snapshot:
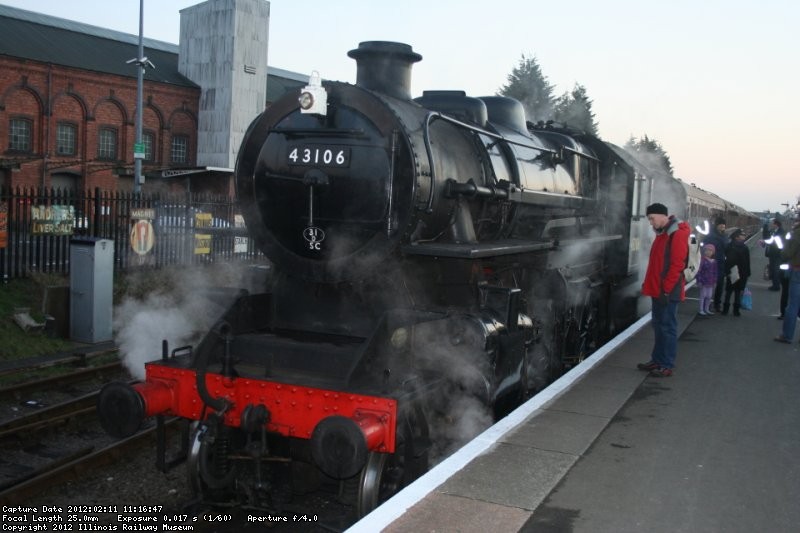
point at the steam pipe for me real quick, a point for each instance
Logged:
(473, 190)
(218, 333)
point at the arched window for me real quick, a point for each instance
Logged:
(19, 134)
(66, 139)
(179, 152)
(147, 140)
(107, 144)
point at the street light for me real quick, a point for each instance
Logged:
(138, 147)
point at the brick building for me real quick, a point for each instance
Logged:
(68, 99)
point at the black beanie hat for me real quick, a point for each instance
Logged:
(657, 209)
(718, 221)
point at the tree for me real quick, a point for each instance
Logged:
(527, 84)
(574, 109)
(650, 153)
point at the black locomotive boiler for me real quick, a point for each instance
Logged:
(430, 253)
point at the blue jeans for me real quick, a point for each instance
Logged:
(665, 325)
(790, 314)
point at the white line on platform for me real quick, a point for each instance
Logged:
(393, 508)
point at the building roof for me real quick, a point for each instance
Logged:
(47, 39)
(28, 35)
(280, 81)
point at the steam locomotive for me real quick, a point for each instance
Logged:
(430, 253)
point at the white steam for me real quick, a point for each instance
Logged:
(181, 310)
(142, 325)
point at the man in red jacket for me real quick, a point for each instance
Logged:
(664, 283)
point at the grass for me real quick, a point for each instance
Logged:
(14, 342)
(31, 292)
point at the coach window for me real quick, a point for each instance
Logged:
(147, 140)
(180, 149)
(107, 144)
(66, 135)
(19, 135)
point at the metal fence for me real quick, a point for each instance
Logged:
(36, 226)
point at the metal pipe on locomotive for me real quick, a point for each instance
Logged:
(424, 249)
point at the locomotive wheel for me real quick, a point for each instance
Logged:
(539, 368)
(584, 337)
(381, 478)
(385, 474)
(210, 473)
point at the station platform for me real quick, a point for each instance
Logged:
(713, 448)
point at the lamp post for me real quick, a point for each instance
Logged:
(138, 147)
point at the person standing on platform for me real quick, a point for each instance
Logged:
(737, 270)
(707, 279)
(664, 283)
(717, 237)
(791, 252)
(773, 253)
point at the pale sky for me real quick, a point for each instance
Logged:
(715, 81)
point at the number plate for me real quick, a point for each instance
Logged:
(318, 155)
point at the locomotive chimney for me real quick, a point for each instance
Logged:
(385, 67)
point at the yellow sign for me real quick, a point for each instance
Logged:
(202, 244)
(202, 220)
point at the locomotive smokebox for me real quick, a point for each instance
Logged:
(385, 67)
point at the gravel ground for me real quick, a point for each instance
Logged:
(136, 482)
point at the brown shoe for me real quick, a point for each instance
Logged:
(781, 338)
(660, 372)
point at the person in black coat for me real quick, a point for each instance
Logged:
(773, 253)
(737, 255)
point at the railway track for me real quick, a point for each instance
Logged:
(51, 447)
(51, 431)
(48, 425)
(68, 466)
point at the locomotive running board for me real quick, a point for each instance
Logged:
(477, 250)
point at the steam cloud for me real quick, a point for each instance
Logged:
(181, 312)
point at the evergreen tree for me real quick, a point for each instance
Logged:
(574, 109)
(650, 153)
(527, 84)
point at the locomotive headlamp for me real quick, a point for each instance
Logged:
(306, 101)
(399, 338)
(313, 98)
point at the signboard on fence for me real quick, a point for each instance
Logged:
(3, 224)
(202, 220)
(239, 243)
(142, 236)
(202, 244)
(52, 219)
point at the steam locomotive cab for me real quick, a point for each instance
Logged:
(431, 254)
